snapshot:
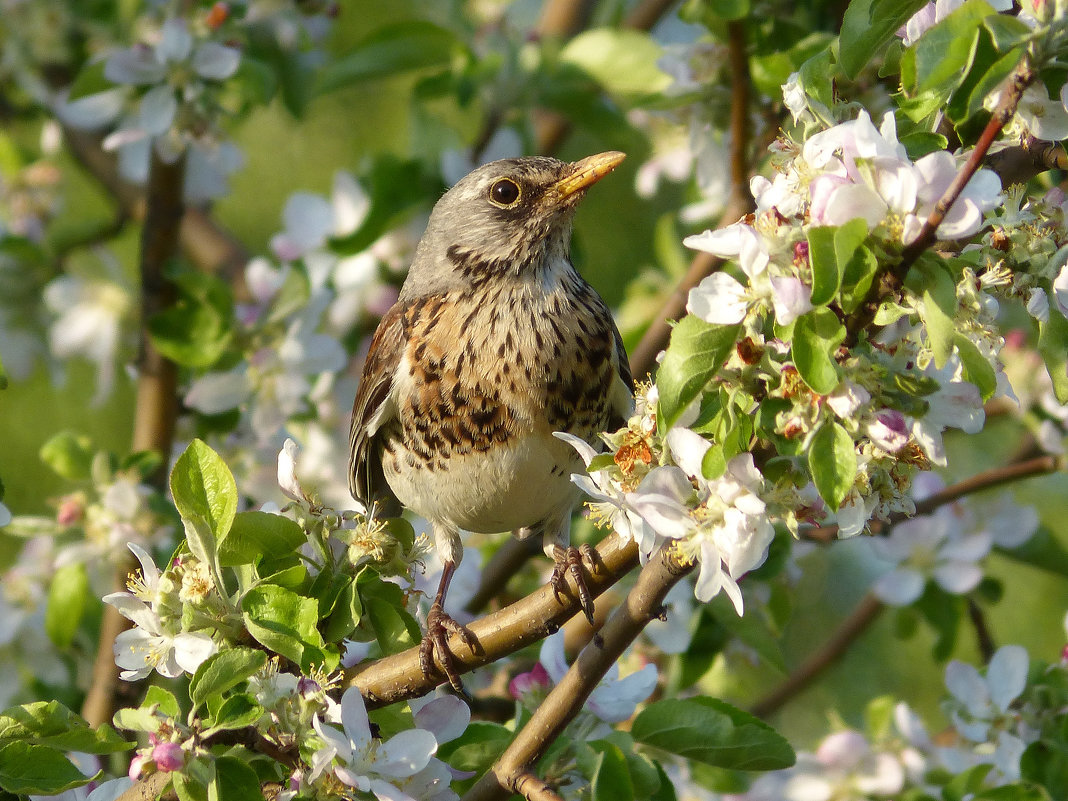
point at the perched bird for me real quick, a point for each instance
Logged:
(495, 342)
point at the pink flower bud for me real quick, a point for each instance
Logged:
(525, 683)
(168, 757)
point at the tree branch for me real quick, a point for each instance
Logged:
(157, 398)
(147, 789)
(847, 633)
(739, 203)
(983, 639)
(397, 677)
(512, 771)
(505, 563)
(988, 479)
(894, 278)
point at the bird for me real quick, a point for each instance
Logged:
(494, 343)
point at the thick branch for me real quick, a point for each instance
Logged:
(988, 479)
(147, 789)
(512, 771)
(397, 677)
(739, 203)
(157, 397)
(852, 627)
(894, 278)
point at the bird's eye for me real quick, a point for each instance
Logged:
(504, 192)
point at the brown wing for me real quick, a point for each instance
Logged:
(373, 408)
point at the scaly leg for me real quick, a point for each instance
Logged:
(568, 561)
(439, 625)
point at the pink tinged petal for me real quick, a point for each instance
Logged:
(168, 757)
(958, 578)
(354, 720)
(1006, 676)
(842, 749)
(851, 201)
(615, 702)
(351, 203)
(134, 609)
(719, 299)
(137, 65)
(899, 587)
(929, 438)
(688, 449)
(847, 398)
(176, 42)
(889, 430)
(215, 62)
(821, 188)
(191, 649)
(584, 449)
(551, 657)
(446, 717)
(405, 754)
(967, 686)
(1060, 290)
(791, 298)
(897, 183)
(157, 110)
(264, 279)
(384, 791)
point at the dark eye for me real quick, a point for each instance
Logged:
(504, 192)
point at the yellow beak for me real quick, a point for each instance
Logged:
(588, 171)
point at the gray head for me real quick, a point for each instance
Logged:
(506, 217)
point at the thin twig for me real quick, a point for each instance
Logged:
(512, 770)
(851, 628)
(397, 677)
(983, 639)
(988, 479)
(892, 281)
(505, 563)
(157, 398)
(739, 203)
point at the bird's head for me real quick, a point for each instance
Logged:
(511, 216)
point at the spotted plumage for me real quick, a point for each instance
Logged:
(495, 343)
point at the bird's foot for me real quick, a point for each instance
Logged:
(569, 562)
(435, 644)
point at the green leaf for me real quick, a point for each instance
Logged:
(234, 780)
(346, 614)
(1053, 347)
(393, 49)
(69, 455)
(817, 336)
(944, 613)
(1042, 550)
(254, 536)
(868, 25)
(206, 496)
(621, 60)
(930, 279)
(49, 723)
(860, 271)
(610, 779)
(26, 768)
(67, 597)
(90, 81)
(696, 351)
(832, 461)
(919, 143)
(714, 732)
(830, 249)
(223, 670)
(196, 329)
(477, 748)
(977, 369)
(236, 712)
(285, 622)
(944, 54)
(1007, 31)
(164, 700)
(394, 628)
(751, 630)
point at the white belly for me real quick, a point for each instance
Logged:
(502, 489)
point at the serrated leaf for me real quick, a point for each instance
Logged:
(257, 535)
(286, 623)
(164, 700)
(346, 614)
(868, 25)
(832, 462)
(51, 724)
(68, 595)
(70, 455)
(391, 50)
(1053, 347)
(205, 494)
(223, 670)
(977, 368)
(817, 336)
(236, 712)
(695, 352)
(26, 768)
(714, 732)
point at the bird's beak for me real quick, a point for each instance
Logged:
(588, 171)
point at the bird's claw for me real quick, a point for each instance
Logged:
(435, 644)
(569, 562)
